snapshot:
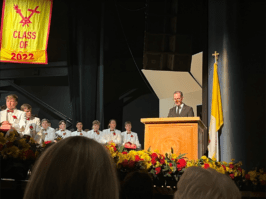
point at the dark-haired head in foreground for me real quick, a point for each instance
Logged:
(76, 167)
(137, 185)
(200, 183)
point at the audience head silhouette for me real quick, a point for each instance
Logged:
(137, 185)
(76, 167)
(200, 183)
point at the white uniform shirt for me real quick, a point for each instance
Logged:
(32, 126)
(49, 134)
(77, 133)
(97, 137)
(113, 135)
(130, 137)
(61, 133)
(17, 119)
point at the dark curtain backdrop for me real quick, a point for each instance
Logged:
(83, 54)
(236, 30)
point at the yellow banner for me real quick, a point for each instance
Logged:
(25, 31)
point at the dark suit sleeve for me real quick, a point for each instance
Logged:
(169, 114)
(190, 113)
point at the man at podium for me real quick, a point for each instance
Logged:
(180, 110)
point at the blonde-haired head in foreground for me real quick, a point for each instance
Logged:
(76, 167)
(200, 183)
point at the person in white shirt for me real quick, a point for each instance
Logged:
(129, 136)
(33, 124)
(12, 116)
(46, 133)
(112, 134)
(96, 134)
(63, 132)
(79, 131)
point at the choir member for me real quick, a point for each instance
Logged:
(95, 133)
(79, 131)
(129, 136)
(12, 116)
(47, 133)
(63, 132)
(112, 134)
(33, 124)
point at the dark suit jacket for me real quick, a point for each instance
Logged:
(186, 111)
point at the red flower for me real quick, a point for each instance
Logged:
(15, 117)
(224, 167)
(114, 133)
(154, 155)
(153, 161)
(239, 169)
(1, 147)
(231, 166)
(137, 158)
(124, 152)
(181, 163)
(125, 163)
(9, 144)
(262, 182)
(47, 142)
(115, 149)
(247, 176)
(162, 161)
(170, 164)
(131, 164)
(206, 166)
(158, 170)
(232, 175)
(132, 136)
(31, 127)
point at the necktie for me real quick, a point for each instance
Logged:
(10, 111)
(178, 109)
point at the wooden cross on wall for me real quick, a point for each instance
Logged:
(216, 56)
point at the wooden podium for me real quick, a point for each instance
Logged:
(183, 134)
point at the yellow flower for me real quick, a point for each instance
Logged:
(174, 156)
(158, 164)
(232, 160)
(204, 157)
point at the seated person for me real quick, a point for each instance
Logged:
(12, 116)
(46, 133)
(181, 109)
(200, 183)
(130, 139)
(63, 132)
(95, 133)
(76, 167)
(112, 134)
(79, 131)
(137, 184)
(33, 124)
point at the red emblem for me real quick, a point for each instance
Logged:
(132, 136)
(15, 117)
(114, 133)
(31, 127)
(26, 20)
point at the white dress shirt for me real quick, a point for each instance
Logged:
(114, 135)
(61, 133)
(77, 133)
(48, 134)
(97, 137)
(130, 137)
(17, 119)
(32, 126)
(181, 106)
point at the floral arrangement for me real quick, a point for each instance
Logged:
(172, 165)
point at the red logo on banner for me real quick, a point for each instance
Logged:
(26, 20)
